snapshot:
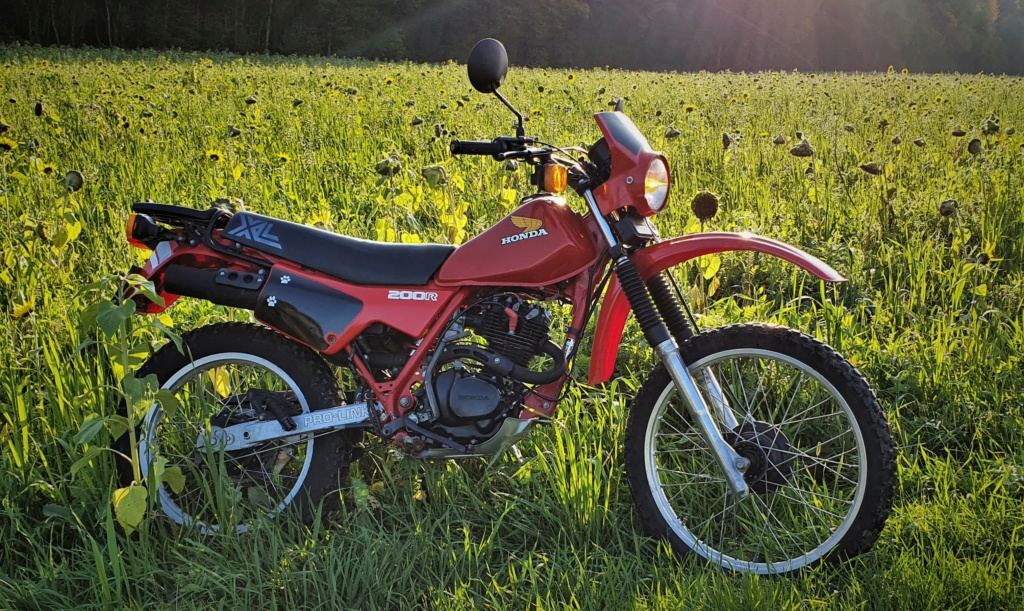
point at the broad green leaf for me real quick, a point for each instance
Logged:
(509, 196)
(92, 425)
(713, 266)
(405, 200)
(51, 510)
(174, 478)
(981, 290)
(159, 323)
(139, 393)
(117, 425)
(146, 287)
(130, 506)
(86, 458)
(168, 402)
(109, 316)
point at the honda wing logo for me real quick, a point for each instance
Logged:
(257, 231)
(531, 228)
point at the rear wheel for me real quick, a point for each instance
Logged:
(822, 467)
(227, 375)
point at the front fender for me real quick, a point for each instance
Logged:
(663, 255)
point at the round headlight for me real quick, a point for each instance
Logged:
(656, 185)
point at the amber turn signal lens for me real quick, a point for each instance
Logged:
(556, 178)
(129, 231)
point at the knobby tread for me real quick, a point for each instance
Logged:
(332, 453)
(837, 370)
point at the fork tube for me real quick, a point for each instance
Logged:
(658, 336)
(670, 309)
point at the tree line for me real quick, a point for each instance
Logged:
(922, 35)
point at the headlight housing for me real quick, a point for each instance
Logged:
(657, 183)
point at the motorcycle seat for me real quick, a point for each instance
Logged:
(349, 259)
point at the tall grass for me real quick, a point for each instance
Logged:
(932, 315)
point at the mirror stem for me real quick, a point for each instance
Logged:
(520, 131)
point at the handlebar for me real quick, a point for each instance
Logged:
(503, 144)
(504, 147)
(477, 147)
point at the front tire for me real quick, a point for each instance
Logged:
(822, 473)
(211, 378)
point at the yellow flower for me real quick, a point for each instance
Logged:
(214, 156)
(7, 144)
(46, 169)
(283, 158)
(689, 108)
(572, 77)
(905, 71)
(23, 308)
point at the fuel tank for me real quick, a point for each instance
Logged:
(543, 242)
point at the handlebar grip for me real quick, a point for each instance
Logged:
(477, 147)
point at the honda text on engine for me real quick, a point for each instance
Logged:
(756, 447)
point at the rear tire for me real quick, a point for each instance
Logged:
(232, 489)
(822, 472)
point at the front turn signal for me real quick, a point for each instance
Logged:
(556, 178)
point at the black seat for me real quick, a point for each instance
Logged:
(350, 259)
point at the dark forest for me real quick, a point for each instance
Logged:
(684, 35)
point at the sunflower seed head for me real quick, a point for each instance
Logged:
(959, 133)
(974, 147)
(919, 143)
(802, 150)
(779, 140)
(871, 168)
(74, 181)
(948, 207)
(436, 175)
(389, 166)
(727, 141)
(704, 206)
(671, 132)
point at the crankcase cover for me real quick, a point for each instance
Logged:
(466, 397)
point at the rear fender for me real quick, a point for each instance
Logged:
(658, 257)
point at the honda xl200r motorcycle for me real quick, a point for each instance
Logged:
(757, 447)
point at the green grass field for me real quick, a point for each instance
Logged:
(932, 315)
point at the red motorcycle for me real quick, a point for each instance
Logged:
(757, 447)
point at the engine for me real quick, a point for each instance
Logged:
(482, 369)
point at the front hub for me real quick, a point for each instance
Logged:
(769, 453)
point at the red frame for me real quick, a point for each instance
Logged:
(563, 263)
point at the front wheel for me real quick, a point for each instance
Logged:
(822, 465)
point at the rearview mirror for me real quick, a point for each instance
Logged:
(487, 65)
